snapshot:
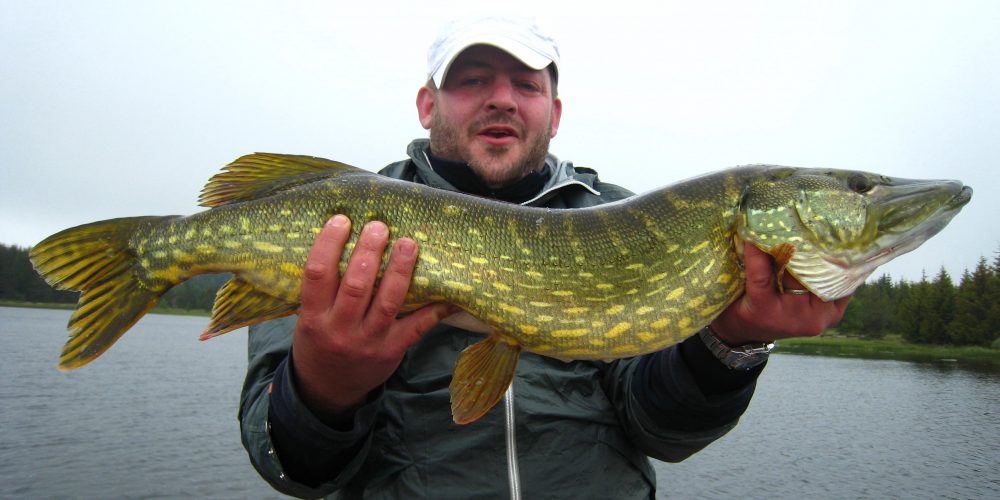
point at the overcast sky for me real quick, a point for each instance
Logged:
(118, 108)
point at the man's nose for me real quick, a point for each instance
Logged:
(502, 96)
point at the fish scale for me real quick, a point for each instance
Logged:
(599, 283)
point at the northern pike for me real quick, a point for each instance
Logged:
(606, 282)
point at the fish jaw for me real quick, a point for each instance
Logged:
(845, 224)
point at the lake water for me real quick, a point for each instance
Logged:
(155, 417)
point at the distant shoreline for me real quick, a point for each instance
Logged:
(68, 306)
(891, 347)
(829, 344)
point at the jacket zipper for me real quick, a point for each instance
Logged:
(513, 475)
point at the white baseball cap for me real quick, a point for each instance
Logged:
(520, 38)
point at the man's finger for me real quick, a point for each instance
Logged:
(320, 274)
(358, 282)
(393, 287)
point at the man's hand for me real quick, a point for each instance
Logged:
(347, 340)
(764, 314)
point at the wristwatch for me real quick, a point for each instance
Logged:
(742, 357)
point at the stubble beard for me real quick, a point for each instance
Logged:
(495, 166)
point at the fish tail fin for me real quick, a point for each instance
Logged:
(482, 374)
(95, 259)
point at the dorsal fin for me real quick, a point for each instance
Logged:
(260, 174)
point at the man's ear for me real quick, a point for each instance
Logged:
(425, 106)
(556, 115)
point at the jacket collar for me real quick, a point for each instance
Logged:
(564, 174)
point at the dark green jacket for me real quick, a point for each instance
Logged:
(583, 429)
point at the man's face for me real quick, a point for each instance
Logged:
(492, 112)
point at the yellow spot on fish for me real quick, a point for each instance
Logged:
(430, 259)
(293, 236)
(658, 277)
(684, 323)
(544, 318)
(207, 231)
(616, 309)
(191, 233)
(501, 286)
(160, 254)
(672, 248)
(633, 267)
(540, 304)
(299, 250)
(576, 310)
(660, 324)
(617, 330)
(675, 293)
(528, 329)
(645, 336)
(626, 349)
(474, 232)
(462, 287)
(696, 302)
(699, 247)
(562, 293)
(644, 310)
(534, 274)
(605, 286)
(421, 281)
(232, 245)
(451, 210)
(454, 244)
(580, 259)
(724, 278)
(289, 268)
(265, 246)
(511, 309)
(598, 342)
(205, 249)
(458, 265)
(420, 236)
(172, 239)
(575, 332)
(584, 274)
(479, 260)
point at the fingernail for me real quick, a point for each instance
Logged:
(375, 228)
(339, 220)
(406, 247)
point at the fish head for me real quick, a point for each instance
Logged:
(843, 224)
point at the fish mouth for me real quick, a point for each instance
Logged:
(922, 203)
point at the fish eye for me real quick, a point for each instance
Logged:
(860, 183)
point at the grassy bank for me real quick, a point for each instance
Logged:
(892, 347)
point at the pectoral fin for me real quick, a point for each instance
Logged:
(482, 374)
(782, 256)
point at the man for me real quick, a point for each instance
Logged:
(347, 399)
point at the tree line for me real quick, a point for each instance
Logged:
(930, 311)
(19, 282)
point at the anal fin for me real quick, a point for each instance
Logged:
(238, 304)
(482, 374)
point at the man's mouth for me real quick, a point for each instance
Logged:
(498, 133)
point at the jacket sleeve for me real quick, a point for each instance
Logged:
(289, 446)
(674, 402)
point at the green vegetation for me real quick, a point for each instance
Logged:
(890, 347)
(21, 286)
(932, 312)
